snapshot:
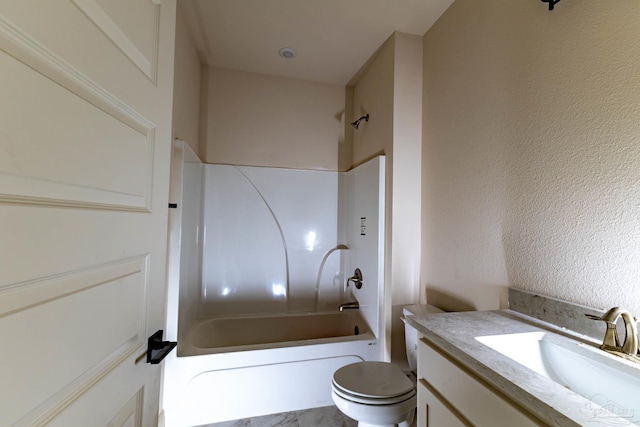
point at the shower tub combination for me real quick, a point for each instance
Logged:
(238, 367)
(232, 363)
(229, 334)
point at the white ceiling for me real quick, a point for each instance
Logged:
(333, 38)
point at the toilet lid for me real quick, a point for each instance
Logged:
(378, 380)
(373, 400)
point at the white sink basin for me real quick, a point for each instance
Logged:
(605, 380)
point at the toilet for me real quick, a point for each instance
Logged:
(380, 393)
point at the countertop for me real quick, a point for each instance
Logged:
(454, 333)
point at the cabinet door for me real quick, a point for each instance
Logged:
(464, 394)
(435, 411)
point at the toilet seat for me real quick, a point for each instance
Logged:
(373, 383)
(373, 401)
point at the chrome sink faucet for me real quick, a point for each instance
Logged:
(611, 340)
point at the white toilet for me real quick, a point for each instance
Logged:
(379, 393)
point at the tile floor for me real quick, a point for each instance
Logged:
(328, 416)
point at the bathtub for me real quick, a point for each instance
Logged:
(240, 367)
(230, 334)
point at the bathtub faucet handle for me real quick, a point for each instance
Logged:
(356, 279)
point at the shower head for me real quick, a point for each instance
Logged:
(357, 122)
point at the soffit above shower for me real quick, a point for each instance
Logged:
(333, 38)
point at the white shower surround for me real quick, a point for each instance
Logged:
(264, 227)
(203, 389)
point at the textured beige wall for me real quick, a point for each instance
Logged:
(389, 90)
(531, 153)
(261, 120)
(186, 88)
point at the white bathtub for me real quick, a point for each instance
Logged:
(229, 334)
(240, 367)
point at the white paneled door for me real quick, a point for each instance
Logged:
(85, 113)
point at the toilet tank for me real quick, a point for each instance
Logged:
(411, 334)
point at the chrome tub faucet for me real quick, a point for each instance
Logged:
(349, 305)
(356, 279)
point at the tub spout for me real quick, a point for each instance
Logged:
(349, 305)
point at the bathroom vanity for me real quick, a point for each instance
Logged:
(506, 368)
(450, 395)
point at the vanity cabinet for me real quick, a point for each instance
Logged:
(450, 396)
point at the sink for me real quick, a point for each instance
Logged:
(611, 383)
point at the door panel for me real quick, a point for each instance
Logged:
(38, 84)
(132, 25)
(84, 164)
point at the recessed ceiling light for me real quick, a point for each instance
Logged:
(287, 53)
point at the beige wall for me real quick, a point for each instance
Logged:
(260, 120)
(373, 95)
(186, 88)
(407, 164)
(531, 153)
(389, 89)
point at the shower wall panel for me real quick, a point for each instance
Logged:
(190, 244)
(362, 216)
(266, 233)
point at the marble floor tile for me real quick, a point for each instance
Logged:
(237, 423)
(287, 419)
(329, 416)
